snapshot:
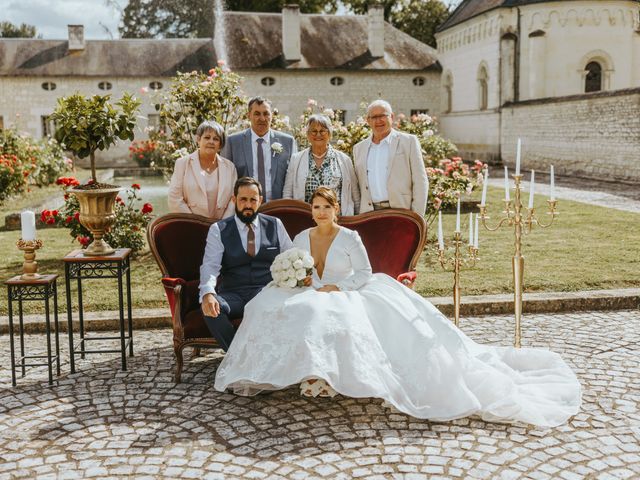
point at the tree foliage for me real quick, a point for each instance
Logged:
(418, 18)
(194, 18)
(9, 30)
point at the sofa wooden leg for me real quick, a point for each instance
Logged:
(179, 364)
(196, 352)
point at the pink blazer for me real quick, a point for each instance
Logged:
(187, 191)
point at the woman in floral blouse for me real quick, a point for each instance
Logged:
(321, 165)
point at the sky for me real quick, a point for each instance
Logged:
(51, 17)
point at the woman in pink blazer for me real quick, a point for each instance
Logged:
(202, 182)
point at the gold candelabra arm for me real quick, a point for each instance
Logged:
(552, 212)
(508, 219)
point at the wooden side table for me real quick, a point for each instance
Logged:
(78, 267)
(42, 288)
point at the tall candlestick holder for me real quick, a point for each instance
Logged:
(30, 266)
(458, 260)
(522, 224)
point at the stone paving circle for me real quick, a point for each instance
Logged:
(105, 423)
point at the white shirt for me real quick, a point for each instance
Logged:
(266, 149)
(378, 170)
(212, 261)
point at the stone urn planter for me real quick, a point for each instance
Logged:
(97, 214)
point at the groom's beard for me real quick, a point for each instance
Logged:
(247, 215)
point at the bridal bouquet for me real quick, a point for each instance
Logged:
(291, 267)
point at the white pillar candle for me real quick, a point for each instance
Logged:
(458, 216)
(440, 239)
(552, 186)
(475, 238)
(506, 184)
(485, 182)
(471, 229)
(532, 188)
(28, 224)
(518, 150)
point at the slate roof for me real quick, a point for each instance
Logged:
(254, 39)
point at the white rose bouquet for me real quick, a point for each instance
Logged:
(291, 267)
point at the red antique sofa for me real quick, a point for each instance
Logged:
(393, 238)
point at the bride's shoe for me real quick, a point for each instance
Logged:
(317, 387)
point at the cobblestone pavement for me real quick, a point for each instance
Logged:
(101, 422)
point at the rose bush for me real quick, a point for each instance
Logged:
(450, 179)
(128, 231)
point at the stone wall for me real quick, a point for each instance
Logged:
(23, 101)
(591, 135)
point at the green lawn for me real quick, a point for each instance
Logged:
(587, 248)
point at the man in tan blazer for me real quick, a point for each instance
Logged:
(389, 165)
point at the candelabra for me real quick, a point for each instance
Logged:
(457, 261)
(30, 266)
(522, 224)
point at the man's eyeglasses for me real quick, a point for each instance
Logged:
(379, 117)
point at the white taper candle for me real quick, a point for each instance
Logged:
(458, 216)
(532, 188)
(485, 182)
(475, 238)
(552, 186)
(507, 187)
(518, 151)
(440, 239)
(471, 229)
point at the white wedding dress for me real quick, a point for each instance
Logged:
(377, 338)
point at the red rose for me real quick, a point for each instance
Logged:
(135, 186)
(68, 219)
(54, 213)
(60, 181)
(119, 200)
(84, 241)
(147, 208)
(51, 221)
(76, 215)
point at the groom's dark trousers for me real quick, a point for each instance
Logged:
(242, 276)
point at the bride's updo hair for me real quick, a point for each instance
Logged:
(329, 195)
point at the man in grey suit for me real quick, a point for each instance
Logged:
(260, 152)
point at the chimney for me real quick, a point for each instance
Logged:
(76, 37)
(291, 32)
(376, 30)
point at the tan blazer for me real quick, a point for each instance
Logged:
(407, 181)
(187, 191)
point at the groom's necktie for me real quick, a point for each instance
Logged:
(251, 241)
(261, 175)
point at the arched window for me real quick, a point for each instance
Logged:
(593, 79)
(448, 92)
(483, 88)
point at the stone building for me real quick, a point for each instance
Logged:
(561, 75)
(340, 61)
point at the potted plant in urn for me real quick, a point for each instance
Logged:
(84, 125)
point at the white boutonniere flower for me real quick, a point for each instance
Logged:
(277, 147)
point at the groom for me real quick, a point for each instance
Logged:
(241, 250)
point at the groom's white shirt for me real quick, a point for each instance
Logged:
(212, 261)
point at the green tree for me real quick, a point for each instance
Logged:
(194, 18)
(418, 18)
(9, 30)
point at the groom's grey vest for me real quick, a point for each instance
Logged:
(239, 270)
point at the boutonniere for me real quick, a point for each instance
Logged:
(277, 147)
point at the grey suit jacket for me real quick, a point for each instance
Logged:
(239, 150)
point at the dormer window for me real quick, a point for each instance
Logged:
(155, 86)
(49, 86)
(336, 81)
(105, 86)
(268, 81)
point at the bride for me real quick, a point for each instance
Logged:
(366, 335)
